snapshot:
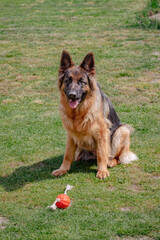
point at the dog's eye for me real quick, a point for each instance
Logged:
(68, 80)
(81, 82)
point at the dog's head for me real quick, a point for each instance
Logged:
(76, 82)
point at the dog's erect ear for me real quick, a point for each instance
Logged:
(88, 63)
(66, 62)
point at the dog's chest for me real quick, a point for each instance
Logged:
(84, 141)
(77, 125)
(81, 130)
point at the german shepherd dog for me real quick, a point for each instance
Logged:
(93, 127)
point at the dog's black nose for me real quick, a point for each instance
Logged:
(72, 95)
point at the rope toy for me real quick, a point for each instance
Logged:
(62, 200)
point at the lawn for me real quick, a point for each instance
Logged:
(32, 139)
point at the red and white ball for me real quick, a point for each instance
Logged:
(63, 201)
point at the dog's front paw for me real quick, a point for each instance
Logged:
(59, 172)
(102, 174)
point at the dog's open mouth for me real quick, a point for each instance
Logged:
(74, 103)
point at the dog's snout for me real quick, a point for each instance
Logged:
(72, 95)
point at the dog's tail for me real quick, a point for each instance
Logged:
(127, 157)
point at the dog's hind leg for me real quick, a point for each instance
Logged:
(120, 152)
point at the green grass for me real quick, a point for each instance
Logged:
(32, 139)
(144, 19)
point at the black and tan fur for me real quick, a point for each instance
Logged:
(93, 127)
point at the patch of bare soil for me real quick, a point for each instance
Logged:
(135, 238)
(3, 222)
(37, 101)
(156, 53)
(156, 177)
(125, 209)
(155, 17)
(134, 188)
(111, 189)
(8, 100)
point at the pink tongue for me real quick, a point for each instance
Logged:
(73, 103)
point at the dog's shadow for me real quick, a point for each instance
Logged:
(40, 171)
